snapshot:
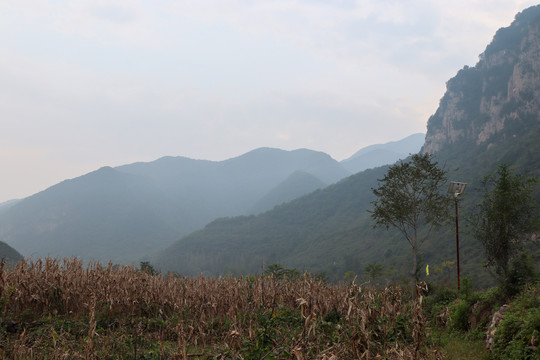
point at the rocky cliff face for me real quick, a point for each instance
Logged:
(500, 96)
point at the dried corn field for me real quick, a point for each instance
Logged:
(62, 309)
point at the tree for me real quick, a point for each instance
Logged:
(279, 272)
(505, 220)
(147, 267)
(408, 197)
(374, 270)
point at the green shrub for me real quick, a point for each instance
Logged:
(483, 306)
(518, 335)
(333, 316)
(466, 288)
(437, 299)
(521, 272)
(459, 315)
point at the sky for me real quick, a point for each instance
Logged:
(86, 84)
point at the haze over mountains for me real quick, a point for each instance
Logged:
(299, 208)
(123, 214)
(489, 114)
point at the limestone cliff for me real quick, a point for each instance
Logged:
(497, 98)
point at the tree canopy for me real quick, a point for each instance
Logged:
(506, 218)
(408, 197)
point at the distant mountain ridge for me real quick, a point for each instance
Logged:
(7, 204)
(382, 154)
(123, 213)
(406, 146)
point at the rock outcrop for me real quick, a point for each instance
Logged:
(494, 324)
(498, 96)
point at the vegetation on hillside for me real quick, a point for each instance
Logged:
(487, 324)
(331, 231)
(518, 335)
(312, 233)
(505, 222)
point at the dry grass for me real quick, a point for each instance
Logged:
(61, 309)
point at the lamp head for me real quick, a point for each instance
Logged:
(457, 188)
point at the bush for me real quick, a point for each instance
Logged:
(459, 315)
(520, 274)
(483, 306)
(518, 335)
(437, 299)
(465, 310)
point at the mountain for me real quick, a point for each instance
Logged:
(383, 154)
(9, 254)
(296, 185)
(124, 213)
(7, 204)
(490, 112)
(311, 232)
(488, 115)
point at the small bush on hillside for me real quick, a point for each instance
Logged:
(482, 309)
(459, 315)
(518, 335)
(462, 310)
(438, 298)
(520, 274)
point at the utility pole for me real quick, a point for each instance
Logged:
(457, 188)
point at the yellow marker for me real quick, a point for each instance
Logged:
(427, 270)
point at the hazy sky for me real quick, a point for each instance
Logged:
(85, 84)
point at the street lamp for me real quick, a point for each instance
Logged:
(457, 188)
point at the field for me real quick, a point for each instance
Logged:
(62, 309)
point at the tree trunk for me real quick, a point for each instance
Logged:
(415, 262)
(413, 273)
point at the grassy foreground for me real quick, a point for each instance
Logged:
(61, 309)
